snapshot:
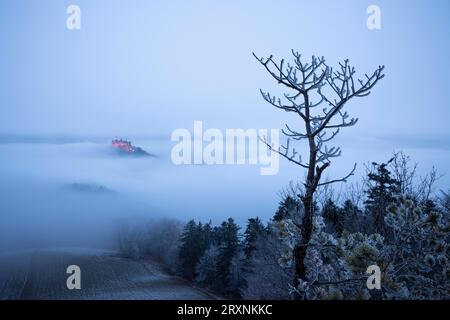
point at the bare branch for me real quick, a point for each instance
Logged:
(285, 153)
(335, 89)
(344, 179)
(280, 76)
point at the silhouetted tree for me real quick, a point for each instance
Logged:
(352, 217)
(286, 209)
(195, 240)
(254, 228)
(382, 190)
(333, 218)
(228, 242)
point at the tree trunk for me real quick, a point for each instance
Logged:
(300, 249)
(308, 204)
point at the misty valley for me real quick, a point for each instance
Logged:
(81, 212)
(224, 150)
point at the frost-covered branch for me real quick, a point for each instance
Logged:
(309, 81)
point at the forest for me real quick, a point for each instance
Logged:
(321, 243)
(392, 218)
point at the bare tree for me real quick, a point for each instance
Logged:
(421, 188)
(427, 184)
(404, 172)
(355, 193)
(331, 89)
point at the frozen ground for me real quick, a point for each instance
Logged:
(104, 275)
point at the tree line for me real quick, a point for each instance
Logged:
(395, 220)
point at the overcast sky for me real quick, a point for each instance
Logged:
(145, 68)
(148, 67)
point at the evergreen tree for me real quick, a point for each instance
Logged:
(254, 231)
(352, 216)
(381, 192)
(227, 236)
(195, 240)
(206, 270)
(332, 217)
(254, 228)
(430, 206)
(287, 208)
(236, 278)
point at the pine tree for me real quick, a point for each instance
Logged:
(352, 216)
(195, 240)
(381, 192)
(227, 236)
(254, 228)
(333, 217)
(236, 278)
(206, 270)
(287, 208)
(430, 206)
(254, 231)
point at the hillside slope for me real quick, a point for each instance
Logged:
(104, 275)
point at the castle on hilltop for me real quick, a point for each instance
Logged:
(125, 146)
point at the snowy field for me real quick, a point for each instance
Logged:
(104, 275)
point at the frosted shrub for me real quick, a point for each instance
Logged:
(418, 255)
(414, 263)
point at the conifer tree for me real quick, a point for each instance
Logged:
(286, 209)
(254, 228)
(194, 242)
(227, 235)
(381, 192)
